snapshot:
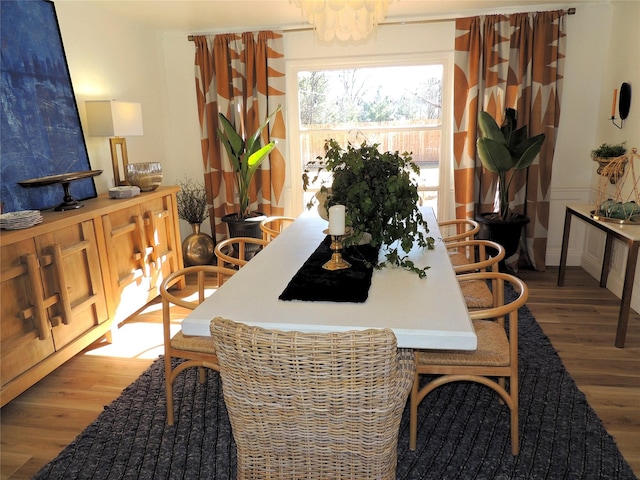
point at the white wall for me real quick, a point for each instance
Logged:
(620, 65)
(109, 58)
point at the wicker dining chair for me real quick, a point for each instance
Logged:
(313, 405)
(496, 355)
(237, 251)
(197, 351)
(271, 227)
(476, 256)
(461, 228)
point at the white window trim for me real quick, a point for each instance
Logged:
(446, 205)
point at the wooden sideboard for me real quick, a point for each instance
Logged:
(67, 281)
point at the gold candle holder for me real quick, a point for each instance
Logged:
(336, 262)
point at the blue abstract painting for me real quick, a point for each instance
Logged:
(40, 130)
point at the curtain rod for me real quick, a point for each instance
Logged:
(569, 11)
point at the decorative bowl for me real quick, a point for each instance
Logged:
(145, 175)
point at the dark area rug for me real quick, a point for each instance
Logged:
(463, 430)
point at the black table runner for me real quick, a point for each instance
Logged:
(313, 283)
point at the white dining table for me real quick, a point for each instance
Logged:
(425, 313)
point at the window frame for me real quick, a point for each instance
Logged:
(446, 206)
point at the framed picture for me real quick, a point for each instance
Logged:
(40, 125)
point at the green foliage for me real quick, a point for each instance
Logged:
(192, 201)
(245, 156)
(381, 199)
(344, 97)
(607, 150)
(503, 150)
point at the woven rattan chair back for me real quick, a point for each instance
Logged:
(313, 405)
(198, 351)
(495, 359)
(475, 256)
(272, 226)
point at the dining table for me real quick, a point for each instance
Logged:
(423, 313)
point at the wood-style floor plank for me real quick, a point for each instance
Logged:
(579, 318)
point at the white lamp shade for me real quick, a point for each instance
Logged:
(110, 118)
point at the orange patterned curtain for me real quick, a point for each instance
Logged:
(508, 61)
(242, 76)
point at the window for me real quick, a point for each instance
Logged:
(400, 107)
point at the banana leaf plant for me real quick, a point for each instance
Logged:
(504, 150)
(246, 156)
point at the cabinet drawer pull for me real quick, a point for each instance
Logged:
(39, 310)
(62, 284)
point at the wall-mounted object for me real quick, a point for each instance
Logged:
(110, 118)
(624, 104)
(41, 129)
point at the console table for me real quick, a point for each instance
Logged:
(626, 233)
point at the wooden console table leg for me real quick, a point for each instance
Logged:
(625, 301)
(606, 261)
(565, 248)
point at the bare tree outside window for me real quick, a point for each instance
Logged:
(398, 107)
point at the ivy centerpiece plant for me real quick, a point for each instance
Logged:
(381, 199)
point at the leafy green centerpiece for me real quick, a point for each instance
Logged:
(380, 196)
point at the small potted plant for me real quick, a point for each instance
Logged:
(503, 150)
(193, 207)
(607, 153)
(246, 156)
(380, 196)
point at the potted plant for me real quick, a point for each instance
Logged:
(193, 207)
(380, 196)
(605, 154)
(503, 151)
(246, 156)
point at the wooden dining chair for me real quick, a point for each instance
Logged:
(237, 251)
(271, 227)
(458, 229)
(475, 256)
(313, 405)
(197, 351)
(496, 355)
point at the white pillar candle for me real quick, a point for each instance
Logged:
(336, 220)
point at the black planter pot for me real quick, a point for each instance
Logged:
(249, 227)
(506, 233)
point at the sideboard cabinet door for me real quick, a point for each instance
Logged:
(143, 247)
(71, 275)
(127, 259)
(25, 336)
(163, 240)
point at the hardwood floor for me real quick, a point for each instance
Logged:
(579, 318)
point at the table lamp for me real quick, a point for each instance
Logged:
(110, 118)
